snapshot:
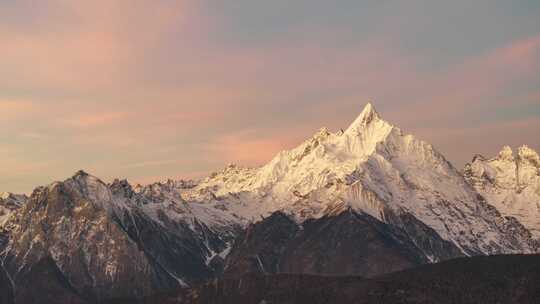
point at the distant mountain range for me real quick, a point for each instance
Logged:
(365, 201)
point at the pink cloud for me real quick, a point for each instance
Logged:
(13, 107)
(460, 143)
(97, 119)
(17, 165)
(471, 84)
(13, 111)
(251, 148)
(522, 55)
(117, 97)
(519, 58)
(87, 46)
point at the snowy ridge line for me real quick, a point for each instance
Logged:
(371, 167)
(510, 183)
(406, 174)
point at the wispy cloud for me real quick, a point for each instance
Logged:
(250, 147)
(153, 89)
(97, 119)
(12, 109)
(153, 163)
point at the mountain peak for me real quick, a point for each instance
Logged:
(368, 107)
(506, 154)
(479, 157)
(322, 133)
(528, 154)
(4, 195)
(83, 178)
(368, 115)
(80, 173)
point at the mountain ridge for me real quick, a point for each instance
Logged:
(510, 183)
(370, 180)
(373, 167)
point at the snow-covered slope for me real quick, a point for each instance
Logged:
(116, 240)
(372, 167)
(511, 184)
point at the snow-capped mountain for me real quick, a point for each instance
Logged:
(510, 183)
(374, 168)
(367, 200)
(96, 241)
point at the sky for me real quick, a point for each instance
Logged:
(150, 90)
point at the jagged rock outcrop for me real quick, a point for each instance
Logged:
(510, 183)
(9, 203)
(364, 201)
(63, 232)
(84, 240)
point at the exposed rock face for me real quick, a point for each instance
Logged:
(168, 231)
(345, 244)
(364, 201)
(6, 287)
(83, 240)
(261, 247)
(510, 183)
(44, 283)
(62, 232)
(9, 203)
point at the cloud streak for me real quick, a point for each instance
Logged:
(149, 90)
